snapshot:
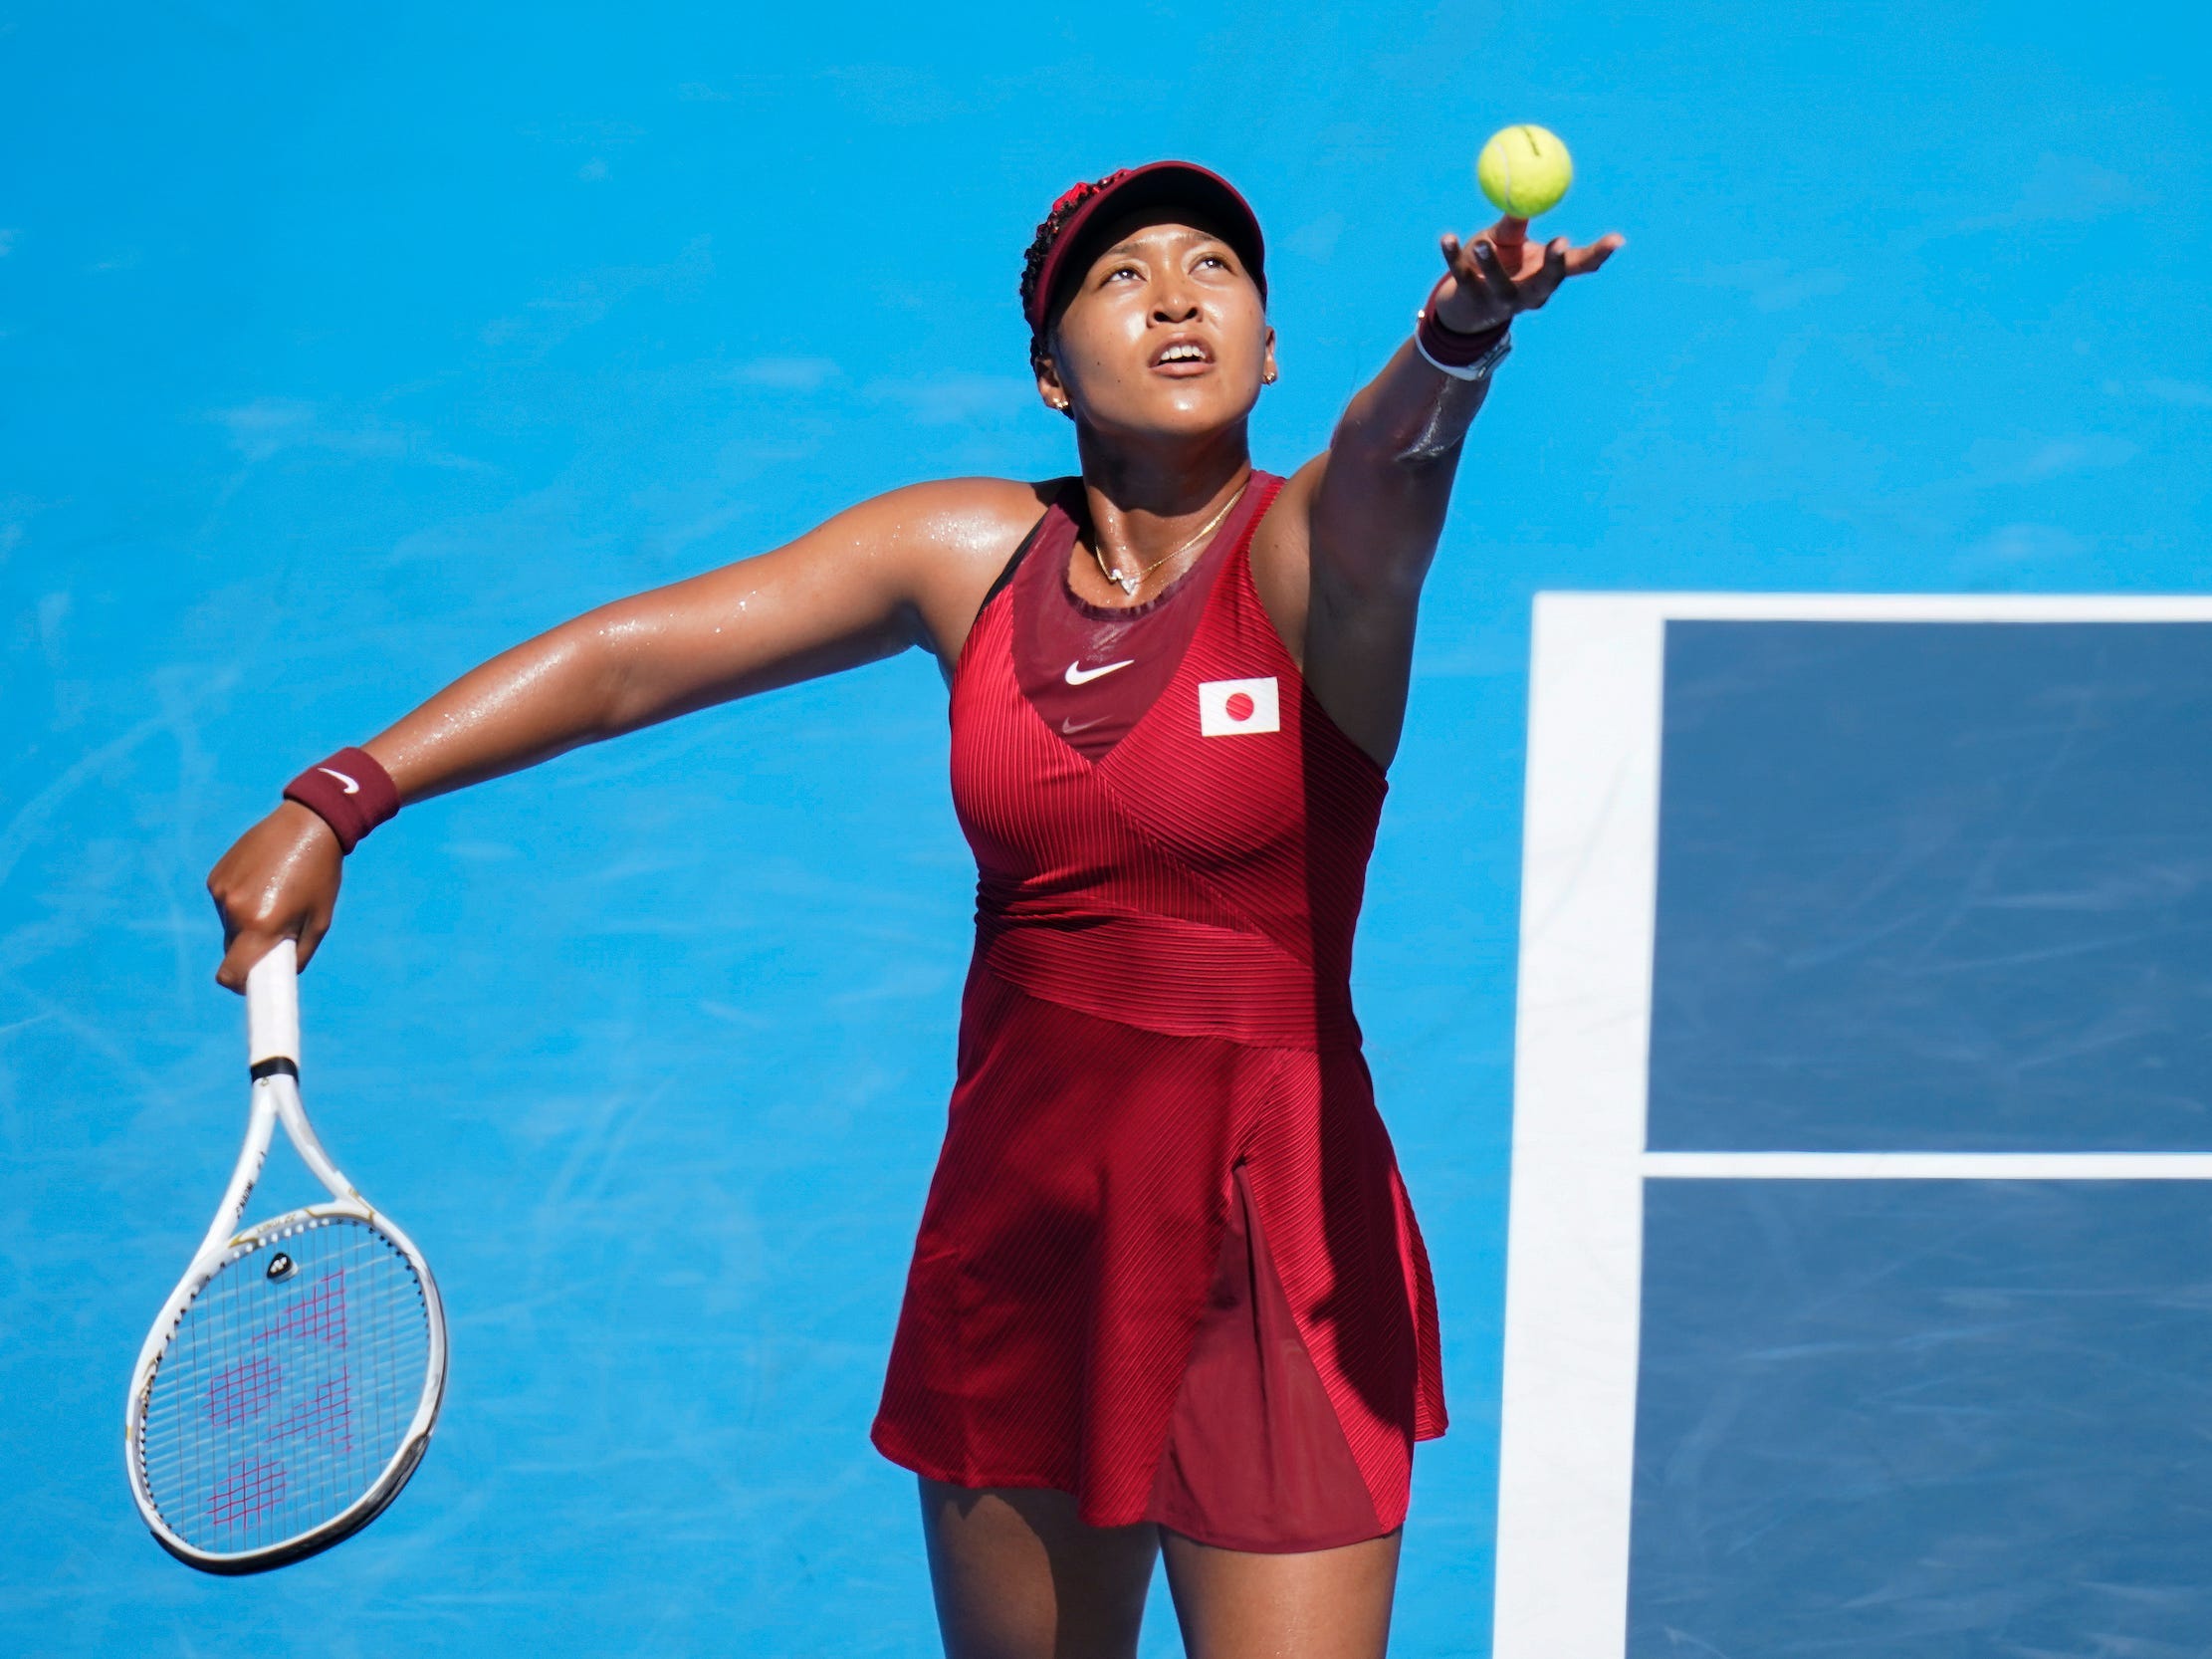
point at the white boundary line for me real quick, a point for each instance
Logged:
(1928, 1166)
(1574, 609)
(1574, 1263)
(1574, 1245)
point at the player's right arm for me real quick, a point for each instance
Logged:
(906, 568)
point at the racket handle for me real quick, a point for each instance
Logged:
(273, 1006)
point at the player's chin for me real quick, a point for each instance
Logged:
(1186, 409)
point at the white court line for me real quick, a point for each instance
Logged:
(1614, 610)
(1582, 1040)
(1928, 1166)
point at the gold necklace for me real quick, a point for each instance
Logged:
(1128, 584)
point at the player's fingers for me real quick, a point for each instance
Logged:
(1545, 283)
(311, 937)
(1490, 273)
(247, 947)
(1510, 237)
(222, 914)
(1590, 258)
(1467, 276)
(1468, 272)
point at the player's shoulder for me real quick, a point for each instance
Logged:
(969, 516)
(948, 541)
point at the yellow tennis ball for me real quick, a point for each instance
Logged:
(1524, 170)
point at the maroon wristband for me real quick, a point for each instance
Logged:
(1450, 346)
(349, 792)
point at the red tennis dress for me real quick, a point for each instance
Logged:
(1167, 1263)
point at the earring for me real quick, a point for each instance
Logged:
(1268, 378)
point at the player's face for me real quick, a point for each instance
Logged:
(1165, 333)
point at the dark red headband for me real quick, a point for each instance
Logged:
(1157, 183)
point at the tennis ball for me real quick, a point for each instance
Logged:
(1524, 170)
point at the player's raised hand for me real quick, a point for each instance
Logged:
(1501, 273)
(279, 880)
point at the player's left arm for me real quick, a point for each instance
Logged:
(1373, 506)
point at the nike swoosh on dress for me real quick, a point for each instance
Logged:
(1078, 675)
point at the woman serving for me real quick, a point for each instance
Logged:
(1168, 1291)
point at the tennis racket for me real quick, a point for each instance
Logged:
(287, 1391)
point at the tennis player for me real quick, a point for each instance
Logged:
(1169, 1293)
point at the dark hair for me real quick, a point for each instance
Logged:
(1032, 264)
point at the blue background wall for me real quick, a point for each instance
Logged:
(339, 352)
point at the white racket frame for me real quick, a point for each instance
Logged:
(273, 1034)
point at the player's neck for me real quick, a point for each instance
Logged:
(1147, 498)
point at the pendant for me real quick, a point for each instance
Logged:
(1128, 583)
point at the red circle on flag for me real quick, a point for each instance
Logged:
(1238, 705)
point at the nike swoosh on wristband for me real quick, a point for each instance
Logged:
(351, 788)
(1078, 675)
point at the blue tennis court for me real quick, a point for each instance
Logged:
(1861, 1259)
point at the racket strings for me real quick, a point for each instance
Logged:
(279, 1402)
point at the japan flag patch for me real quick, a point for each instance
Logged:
(1231, 708)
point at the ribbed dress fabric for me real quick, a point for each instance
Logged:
(1156, 1029)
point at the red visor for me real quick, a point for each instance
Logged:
(1157, 183)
